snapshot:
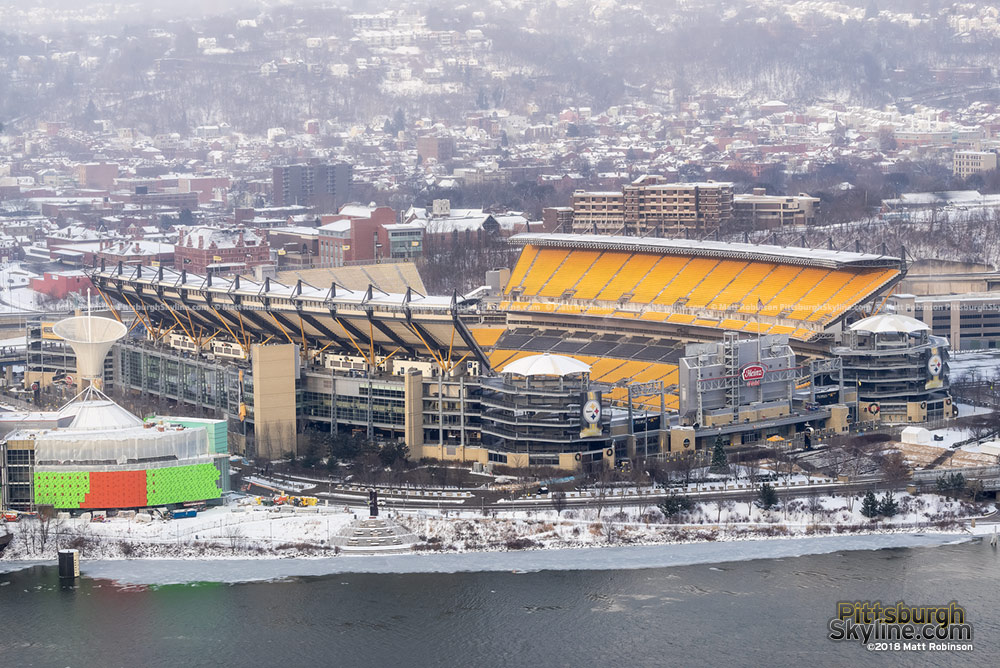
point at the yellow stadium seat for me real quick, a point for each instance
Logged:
(655, 315)
(690, 275)
(741, 283)
(682, 318)
(730, 324)
(599, 274)
(791, 294)
(528, 254)
(573, 268)
(659, 278)
(487, 337)
(628, 277)
(705, 294)
(819, 296)
(840, 300)
(545, 264)
(875, 280)
(774, 282)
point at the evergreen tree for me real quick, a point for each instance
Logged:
(767, 498)
(720, 462)
(90, 113)
(951, 484)
(387, 127)
(675, 504)
(398, 121)
(888, 506)
(869, 506)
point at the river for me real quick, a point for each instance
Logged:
(756, 612)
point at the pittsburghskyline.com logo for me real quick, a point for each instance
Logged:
(899, 626)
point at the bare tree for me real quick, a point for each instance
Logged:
(894, 469)
(815, 505)
(558, 502)
(601, 486)
(234, 536)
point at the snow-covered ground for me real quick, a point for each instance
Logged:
(714, 521)
(985, 363)
(243, 530)
(965, 410)
(222, 533)
(951, 436)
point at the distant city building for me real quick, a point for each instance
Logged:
(649, 206)
(967, 163)
(60, 284)
(220, 250)
(759, 211)
(439, 148)
(137, 251)
(557, 219)
(324, 186)
(353, 235)
(100, 176)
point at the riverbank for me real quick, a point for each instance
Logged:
(159, 572)
(242, 533)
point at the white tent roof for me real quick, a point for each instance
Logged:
(889, 323)
(546, 365)
(102, 414)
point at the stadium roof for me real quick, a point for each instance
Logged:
(368, 322)
(719, 249)
(890, 323)
(546, 365)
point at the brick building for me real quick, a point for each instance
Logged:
(59, 285)
(354, 234)
(219, 250)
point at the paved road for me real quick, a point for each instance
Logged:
(479, 500)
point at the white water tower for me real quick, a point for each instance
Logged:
(91, 338)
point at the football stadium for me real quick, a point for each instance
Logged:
(680, 342)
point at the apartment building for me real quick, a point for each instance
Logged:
(324, 186)
(650, 207)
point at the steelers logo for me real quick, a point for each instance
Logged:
(934, 364)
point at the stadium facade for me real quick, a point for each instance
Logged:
(275, 358)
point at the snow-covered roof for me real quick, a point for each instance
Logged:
(785, 254)
(102, 414)
(546, 364)
(206, 236)
(889, 323)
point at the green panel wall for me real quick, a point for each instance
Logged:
(182, 483)
(62, 490)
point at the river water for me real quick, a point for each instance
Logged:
(760, 612)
